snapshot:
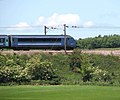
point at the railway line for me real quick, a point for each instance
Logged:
(30, 52)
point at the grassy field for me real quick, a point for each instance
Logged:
(59, 93)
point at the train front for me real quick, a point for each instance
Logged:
(71, 43)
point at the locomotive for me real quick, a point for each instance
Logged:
(26, 42)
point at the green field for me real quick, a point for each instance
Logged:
(59, 93)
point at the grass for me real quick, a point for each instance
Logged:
(59, 93)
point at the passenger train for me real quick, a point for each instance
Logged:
(26, 42)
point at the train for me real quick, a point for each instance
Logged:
(27, 42)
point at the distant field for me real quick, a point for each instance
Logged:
(59, 93)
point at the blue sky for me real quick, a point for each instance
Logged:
(85, 13)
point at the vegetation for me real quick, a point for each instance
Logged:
(81, 64)
(44, 69)
(111, 41)
(69, 92)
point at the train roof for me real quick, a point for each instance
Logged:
(40, 36)
(3, 36)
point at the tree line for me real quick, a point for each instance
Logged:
(111, 41)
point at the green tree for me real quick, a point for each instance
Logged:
(111, 41)
(40, 70)
(75, 60)
(3, 60)
(80, 63)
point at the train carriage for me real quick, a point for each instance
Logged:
(4, 41)
(41, 42)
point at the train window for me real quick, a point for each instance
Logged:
(24, 40)
(6, 40)
(13, 39)
(39, 40)
(1, 40)
(50, 40)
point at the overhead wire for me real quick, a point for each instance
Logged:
(59, 26)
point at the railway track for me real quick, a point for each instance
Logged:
(30, 52)
(103, 52)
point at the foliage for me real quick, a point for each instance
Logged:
(109, 63)
(82, 65)
(111, 41)
(40, 70)
(13, 74)
(20, 70)
(2, 60)
(75, 60)
(75, 68)
(11, 69)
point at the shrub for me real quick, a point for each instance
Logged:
(41, 70)
(75, 60)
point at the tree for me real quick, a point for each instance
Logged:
(75, 60)
(111, 41)
(40, 70)
(80, 63)
(13, 74)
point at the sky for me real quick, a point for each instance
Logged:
(30, 17)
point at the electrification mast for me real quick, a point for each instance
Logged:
(65, 42)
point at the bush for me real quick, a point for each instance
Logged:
(13, 74)
(80, 63)
(75, 60)
(75, 68)
(42, 70)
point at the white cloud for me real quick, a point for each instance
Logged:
(53, 20)
(22, 25)
(88, 24)
(59, 19)
(41, 20)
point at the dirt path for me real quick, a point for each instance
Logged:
(103, 52)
